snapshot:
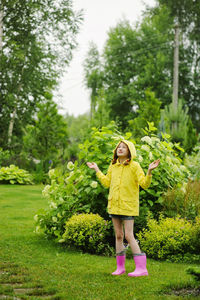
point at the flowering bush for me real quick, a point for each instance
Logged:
(173, 239)
(170, 173)
(77, 189)
(13, 175)
(88, 232)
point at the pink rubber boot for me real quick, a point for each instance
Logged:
(120, 265)
(140, 266)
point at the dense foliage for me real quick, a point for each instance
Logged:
(14, 175)
(76, 189)
(183, 201)
(46, 138)
(192, 162)
(173, 239)
(38, 39)
(88, 232)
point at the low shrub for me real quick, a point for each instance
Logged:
(195, 272)
(172, 239)
(88, 232)
(14, 175)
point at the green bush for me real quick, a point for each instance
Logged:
(4, 155)
(88, 232)
(192, 162)
(75, 189)
(173, 239)
(195, 272)
(14, 175)
(170, 173)
(184, 201)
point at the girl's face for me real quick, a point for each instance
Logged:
(122, 150)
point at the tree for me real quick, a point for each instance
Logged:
(38, 39)
(47, 136)
(139, 58)
(93, 80)
(187, 14)
(135, 59)
(148, 111)
(184, 133)
(78, 131)
(101, 115)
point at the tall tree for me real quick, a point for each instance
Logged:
(38, 39)
(135, 59)
(187, 14)
(139, 58)
(148, 110)
(47, 135)
(93, 77)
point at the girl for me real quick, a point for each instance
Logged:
(124, 177)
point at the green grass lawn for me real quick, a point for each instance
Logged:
(32, 267)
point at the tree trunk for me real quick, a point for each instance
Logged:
(11, 125)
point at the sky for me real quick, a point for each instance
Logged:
(99, 17)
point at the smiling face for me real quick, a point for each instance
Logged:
(123, 150)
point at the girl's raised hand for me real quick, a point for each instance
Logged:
(154, 164)
(93, 165)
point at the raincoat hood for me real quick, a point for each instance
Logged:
(131, 148)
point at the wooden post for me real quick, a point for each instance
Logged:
(176, 73)
(1, 28)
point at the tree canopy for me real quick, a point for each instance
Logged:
(139, 58)
(38, 39)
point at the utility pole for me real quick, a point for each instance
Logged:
(1, 28)
(176, 73)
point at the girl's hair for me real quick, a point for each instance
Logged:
(115, 157)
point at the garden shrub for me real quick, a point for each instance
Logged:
(75, 189)
(4, 155)
(14, 175)
(195, 272)
(170, 173)
(173, 239)
(88, 232)
(184, 201)
(192, 162)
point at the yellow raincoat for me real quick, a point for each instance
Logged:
(124, 181)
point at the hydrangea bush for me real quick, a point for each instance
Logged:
(170, 173)
(77, 190)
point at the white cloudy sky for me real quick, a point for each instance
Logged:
(99, 16)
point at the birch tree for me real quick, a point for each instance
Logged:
(37, 44)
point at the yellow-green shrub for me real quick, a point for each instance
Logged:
(170, 238)
(14, 175)
(88, 232)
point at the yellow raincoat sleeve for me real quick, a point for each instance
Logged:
(144, 181)
(105, 179)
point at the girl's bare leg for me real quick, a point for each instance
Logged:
(128, 225)
(119, 234)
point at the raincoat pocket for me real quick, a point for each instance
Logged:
(127, 205)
